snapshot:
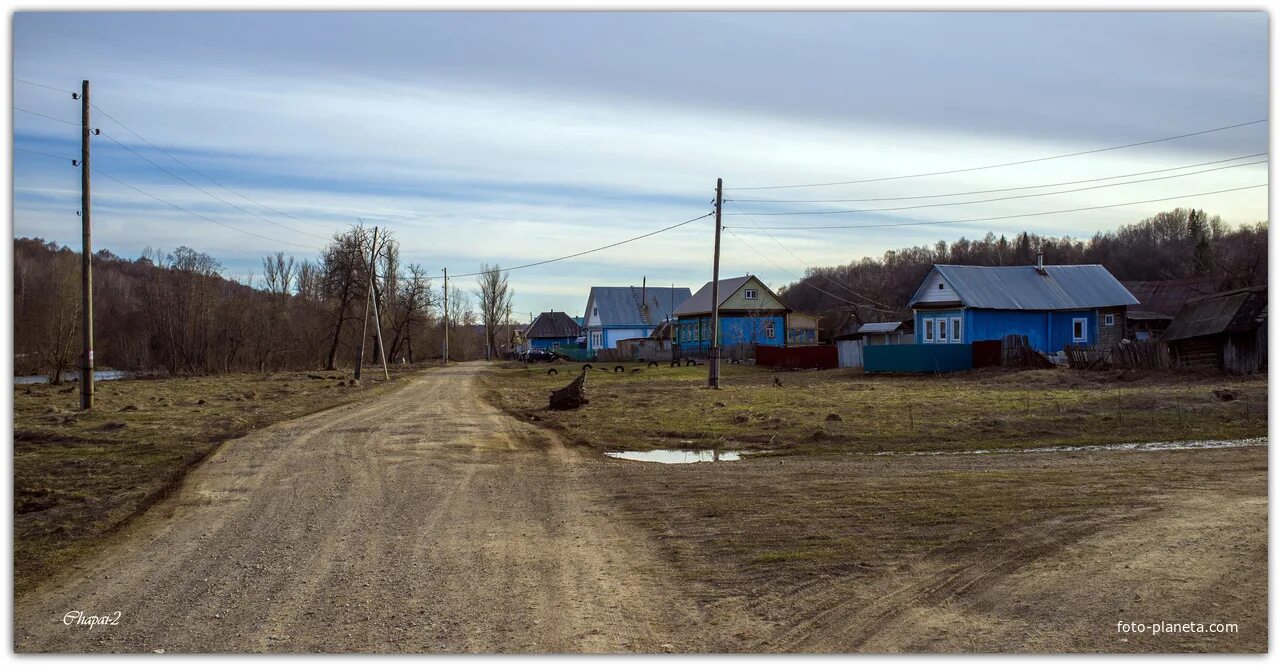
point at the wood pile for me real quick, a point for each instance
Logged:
(1016, 351)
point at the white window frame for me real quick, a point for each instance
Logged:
(1109, 319)
(597, 340)
(770, 329)
(957, 329)
(751, 294)
(1084, 329)
(941, 331)
(928, 330)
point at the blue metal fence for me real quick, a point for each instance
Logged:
(917, 358)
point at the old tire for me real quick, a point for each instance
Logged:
(552, 371)
(586, 367)
(690, 362)
(675, 364)
(619, 369)
(653, 364)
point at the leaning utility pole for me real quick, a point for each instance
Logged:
(445, 362)
(86, 258)
(364, 333)
(713, 371)
(377, 318)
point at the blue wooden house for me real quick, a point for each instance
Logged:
(750, 314)
(619, 313)
(1053, 306)
(552, 330)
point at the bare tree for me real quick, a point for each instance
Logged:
(495, 296)
(342, 266)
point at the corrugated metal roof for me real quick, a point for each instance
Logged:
(621, 305)
(1059, 287)
(702, 301)
(879, 327)
(1238, 310)
(553, 324)
(1167, 296)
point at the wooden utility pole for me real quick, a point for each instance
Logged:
(364, 332)
(86, 258)
(713, 370)
(446, 318)
(373, 291)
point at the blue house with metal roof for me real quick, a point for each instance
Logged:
(617, 313)
(1053, 306)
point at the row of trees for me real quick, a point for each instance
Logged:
(1173, 244)
(175, 311)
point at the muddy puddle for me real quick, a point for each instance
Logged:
(1122, 447)
(678, 455)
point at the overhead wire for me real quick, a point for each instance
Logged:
(1018, 215)
(804, 263)
(1002, 164)
(995, 199)
(983, 192)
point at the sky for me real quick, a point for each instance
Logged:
(511, 138)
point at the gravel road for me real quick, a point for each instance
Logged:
(422, 521)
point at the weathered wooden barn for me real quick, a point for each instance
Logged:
(1160, 300)
(1227, 330)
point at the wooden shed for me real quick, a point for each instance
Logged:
(1227, 330)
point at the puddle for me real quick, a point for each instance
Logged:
(678, 455)
(74, 376)
(1123, 447)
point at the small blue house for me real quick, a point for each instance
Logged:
(750, 314)
(619, 313)
(1053, 306)
(552, 330)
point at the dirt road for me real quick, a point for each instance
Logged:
(429, 521)
(423, 521)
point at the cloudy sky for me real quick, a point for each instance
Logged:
(511, 138)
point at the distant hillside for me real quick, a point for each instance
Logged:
(1174, 244)
(175, 312)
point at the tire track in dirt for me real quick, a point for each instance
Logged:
(421, 521)
(836, 618)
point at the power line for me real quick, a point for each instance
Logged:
(802, 280)
(56, 157)
(197, 171)
(587, 252)
(1026, 196)
(235, 206)
(35, 113)
(983, 192)
(1020, 215)
(799, 259)
(41, 85)
(1003, 164)
(202, 217)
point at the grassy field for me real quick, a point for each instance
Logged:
(1029, 552)
(848, 411)
(78, 476)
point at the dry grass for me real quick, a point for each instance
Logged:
(846, 411)
(79, 476)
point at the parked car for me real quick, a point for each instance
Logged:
(535, 356)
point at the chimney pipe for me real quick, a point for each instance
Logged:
(1039, 259)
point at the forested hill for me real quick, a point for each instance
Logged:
(1173, 244)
